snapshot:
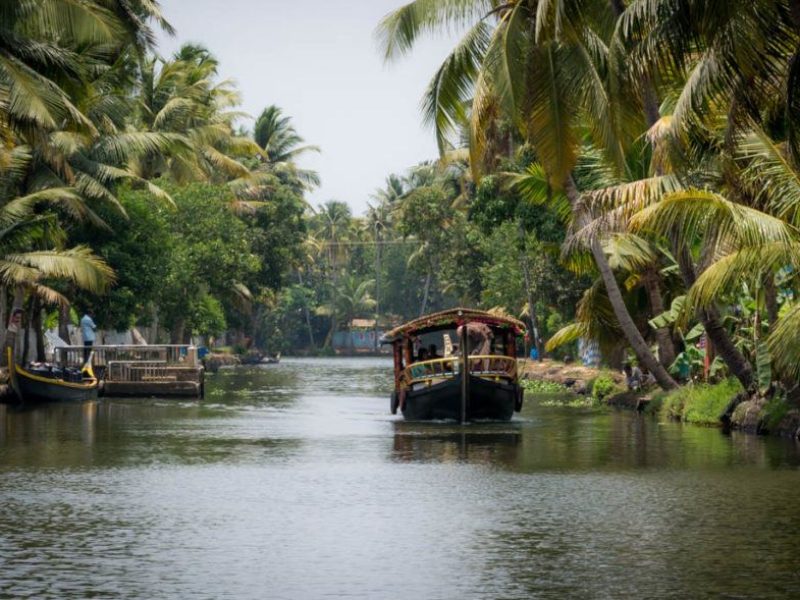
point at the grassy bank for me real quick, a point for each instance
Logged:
(697, 403)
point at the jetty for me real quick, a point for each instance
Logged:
(141, 370)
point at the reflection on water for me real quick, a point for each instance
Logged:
(293, 481)
(488, 443)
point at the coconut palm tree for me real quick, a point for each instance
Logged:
(281, 146)
(734, 58)
(350, 297)
(546, 67)
(394, 189)
(746, 235)
(179, 100)
(333, 228)
(30, 258)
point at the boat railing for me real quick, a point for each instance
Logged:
(104, 355)
(487, 366)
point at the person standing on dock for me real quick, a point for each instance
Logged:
(88, 329)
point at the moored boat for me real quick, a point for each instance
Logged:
(49, 384)
(475, 378)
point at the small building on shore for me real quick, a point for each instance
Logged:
(361, 337)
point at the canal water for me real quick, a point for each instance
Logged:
(293, 481)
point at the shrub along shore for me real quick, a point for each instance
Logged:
(717, 404)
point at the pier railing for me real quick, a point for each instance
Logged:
(72, 356)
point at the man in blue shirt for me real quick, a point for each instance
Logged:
(87, 333)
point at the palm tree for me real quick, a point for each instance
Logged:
(378, 223)
(179, 100)
(735, 58)
(350, 297)
(37, 44)
(277, 137)
(27, 264)
(333, 228)
(730, 66)
(748, 240)
(46, 46)
(393, 190)
(545, 67)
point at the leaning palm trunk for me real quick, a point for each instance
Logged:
(666, 348)
(771, 300)
(307, 313)
(331, 332)
(3, 305)
(63, 323)
(626, 323)
(537, 339)
(736, 362)
(38, 331)
(426, 292)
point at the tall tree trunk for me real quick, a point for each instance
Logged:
(178, 331)
(38, 331)
(710, 318)
(771, 299)
(716, 332)
(534, 318)
(258, 314)
(794, 11)
(307, 313)
(153, 337)
(63, 323)
(331, 332)
(13, 328)
(3, 305)
(26, 341)
(425, 292)
(626, 323)
(666, 348)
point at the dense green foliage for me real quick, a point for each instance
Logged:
(603, 386)
(626, 173)
(663, 135)
(540, 386)
(699, 403)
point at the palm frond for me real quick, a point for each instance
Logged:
(444, 103)
(784, 344)
(78, 265)
(693, 213)
(399, 30)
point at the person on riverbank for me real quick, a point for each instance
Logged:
(88, 329)
(633, 377)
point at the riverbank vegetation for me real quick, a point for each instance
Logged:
(701, 404)
(133, 184)
(622, 173)
(664, 136)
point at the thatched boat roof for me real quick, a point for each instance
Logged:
(450, 319)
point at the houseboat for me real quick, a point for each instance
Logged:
(459, 364)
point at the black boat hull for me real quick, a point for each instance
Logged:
(32, 388)
(488, 400)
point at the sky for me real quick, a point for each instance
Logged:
(319, 61)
